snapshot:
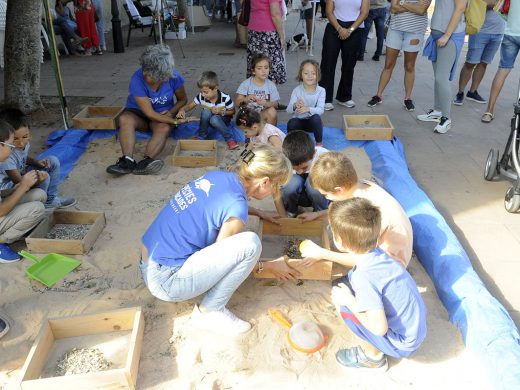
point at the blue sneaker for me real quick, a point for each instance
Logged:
(355, 358)
(7, 255)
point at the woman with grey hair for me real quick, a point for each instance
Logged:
(156, 93)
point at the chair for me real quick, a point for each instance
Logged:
(137, 21)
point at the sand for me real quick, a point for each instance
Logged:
(175, 356)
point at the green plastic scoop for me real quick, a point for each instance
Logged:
(51, 268)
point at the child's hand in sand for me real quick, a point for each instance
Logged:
(281, 270)
(308, 216)
(311, 249)
(342, 295)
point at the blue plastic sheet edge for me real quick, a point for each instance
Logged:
(486, 326)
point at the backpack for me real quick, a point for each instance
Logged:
(475, 15)
(243, 19)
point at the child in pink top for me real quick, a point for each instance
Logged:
(257, 131)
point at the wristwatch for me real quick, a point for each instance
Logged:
(351, 29)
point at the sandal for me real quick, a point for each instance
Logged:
(487, 117)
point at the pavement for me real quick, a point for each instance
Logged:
(449, 167)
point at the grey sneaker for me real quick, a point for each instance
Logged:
(443, 126)
(148, 166)
(430, 116)
(219, 321)
(349, 103)
(60, 203)
(329, 106)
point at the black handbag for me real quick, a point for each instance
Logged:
(244, 13)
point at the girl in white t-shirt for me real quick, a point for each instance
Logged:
(257, 131)
(258, 91)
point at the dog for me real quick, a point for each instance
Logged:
(296, 41)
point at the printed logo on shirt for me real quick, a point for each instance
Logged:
(158, 100)
(261, 95)
(204, 185)
(182, 199)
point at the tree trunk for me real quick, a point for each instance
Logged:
(22, 55)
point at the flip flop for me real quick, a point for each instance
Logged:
(487, 117)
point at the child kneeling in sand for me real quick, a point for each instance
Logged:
(335, 177)
(378, 300)
(19, 162)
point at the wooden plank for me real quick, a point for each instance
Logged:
(36, 241)
(195, 161)
(355, 128)
(321, 270)
(97, 117)
(37, 357)
(82, 325)
(103, 380)
(134, 352)
(94, 232)
(293, 227)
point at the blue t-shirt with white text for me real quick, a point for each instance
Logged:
(192, 219)
(161, 100)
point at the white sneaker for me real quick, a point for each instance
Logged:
(329, 106)
(219, 321)
(430, 116)
(443, 126)
(348, 103)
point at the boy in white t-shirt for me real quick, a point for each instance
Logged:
(299, 148)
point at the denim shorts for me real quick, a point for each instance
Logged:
(509, 51)
(401, 40)
(482, 48)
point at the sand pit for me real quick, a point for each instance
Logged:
(175, 356)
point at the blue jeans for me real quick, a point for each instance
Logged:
(219, 122)
(509, 51)
(50, 185)
(100, 24)
(377, 16)
(312, 124)
(217, 270)
(67, 28)
(298, 192)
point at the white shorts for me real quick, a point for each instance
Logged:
(402, 40)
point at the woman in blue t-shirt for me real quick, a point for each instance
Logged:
(156, 93)
(196, 244)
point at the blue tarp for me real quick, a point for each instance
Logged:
(486, 327)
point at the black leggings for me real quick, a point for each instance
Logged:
(313, 125)
(349, 48)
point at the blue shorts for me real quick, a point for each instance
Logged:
(482, 47)
(509, 51)
(382, 343)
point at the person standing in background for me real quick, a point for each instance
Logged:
(508, 53)
(443, 48)
(482, 48)
(100, 23)
(376, 15)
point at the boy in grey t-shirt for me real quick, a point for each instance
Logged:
(18, 163)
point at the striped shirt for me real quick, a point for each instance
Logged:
(409, 22)
(223, 102)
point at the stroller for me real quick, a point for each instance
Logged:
(508, 166)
